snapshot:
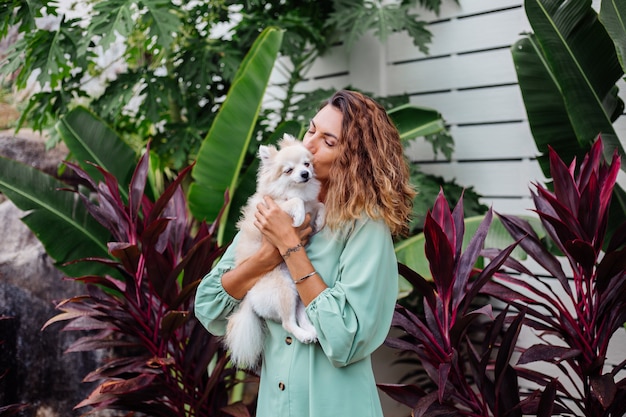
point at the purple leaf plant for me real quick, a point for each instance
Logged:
(473, 360)
(580, 307)
(439, 335)
(161, 362)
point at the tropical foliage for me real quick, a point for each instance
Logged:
(177, 66)
(114, 250)
(152, 330)
(160, 352)
(141, 257)
(52, 214)
(225, 162)
(440, 336)
(574, 314)
(582, 311)
(567, 71)
(159, 69)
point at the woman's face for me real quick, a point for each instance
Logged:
(323, 138)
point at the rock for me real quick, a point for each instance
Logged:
(29, 148)
(38, 371)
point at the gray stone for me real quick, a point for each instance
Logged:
(38, 372)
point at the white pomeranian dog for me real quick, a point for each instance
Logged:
(286, 175)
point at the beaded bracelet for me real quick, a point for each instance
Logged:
(299, 280)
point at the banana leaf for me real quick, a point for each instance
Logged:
(91, 140)
(547, 116)
(56, 217)
(221, 155)
(567, 72)
(582, 61)
(413, 121)
(613, 17)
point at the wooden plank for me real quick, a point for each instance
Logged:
(450, 9)
(620, 129)
(368, 71)
(514, 206)
(481, 142)
(479, 32)
(335, 61)
(485, 105)
(497, 179)
(337, 82)
(505, 141)
(493, 67)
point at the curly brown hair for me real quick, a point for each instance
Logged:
(370, 175)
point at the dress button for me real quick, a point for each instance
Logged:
(288, 340)
(281, 386)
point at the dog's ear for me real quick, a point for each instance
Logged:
(287, 140)
(266, 152)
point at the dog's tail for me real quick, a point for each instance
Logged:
(245, 336)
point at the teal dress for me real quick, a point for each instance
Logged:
(333, 377)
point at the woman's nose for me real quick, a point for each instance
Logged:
(309, 143)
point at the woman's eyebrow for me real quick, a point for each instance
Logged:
(325, 133)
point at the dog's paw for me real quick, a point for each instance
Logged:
(298, 218)
(306, 336)
(311, 338)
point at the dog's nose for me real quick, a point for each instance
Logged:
(305, 175)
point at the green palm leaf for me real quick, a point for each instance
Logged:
(582, 60)
(567, 72)
(413, 121)
(221, 156)
(547, 116)
(613, 16)
(57, 218)
(90, 139)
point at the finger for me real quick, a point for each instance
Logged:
(306, 223)
(269, 201)
(305, 232)
(259, 220)
(308, 231)
(266, 204)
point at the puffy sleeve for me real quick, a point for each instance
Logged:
(354, 314)
(213, 304)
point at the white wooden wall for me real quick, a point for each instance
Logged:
(469, 77)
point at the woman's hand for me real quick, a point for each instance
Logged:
(278, 235)
(276, 226)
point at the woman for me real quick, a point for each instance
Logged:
(346, 274)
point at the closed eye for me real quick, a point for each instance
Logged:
(288, 171)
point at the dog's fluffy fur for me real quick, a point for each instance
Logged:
(287, 176)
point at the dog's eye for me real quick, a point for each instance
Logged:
(288, 170)
(307, 164)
